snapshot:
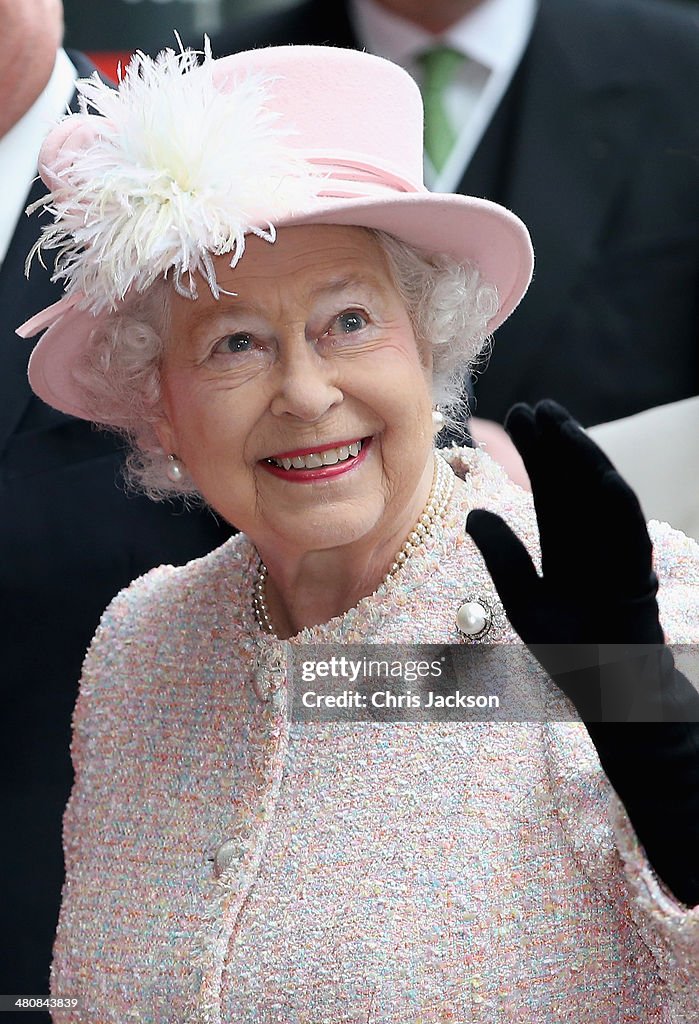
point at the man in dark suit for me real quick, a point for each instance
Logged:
(595, 144)
(70, 536)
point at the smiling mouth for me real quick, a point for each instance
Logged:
(317, 459)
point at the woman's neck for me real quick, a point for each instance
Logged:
(324, 584)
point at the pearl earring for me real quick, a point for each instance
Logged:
(175, 469)
(437, 419)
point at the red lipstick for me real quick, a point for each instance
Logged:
(306, 476)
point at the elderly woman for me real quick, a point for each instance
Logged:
(263, 297)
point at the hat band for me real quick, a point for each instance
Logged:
(359, 180)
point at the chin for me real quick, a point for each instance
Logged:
(330, 530)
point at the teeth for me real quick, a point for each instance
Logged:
(316, 459)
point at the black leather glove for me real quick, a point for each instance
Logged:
(584, 619)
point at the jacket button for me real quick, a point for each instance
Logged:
(225, 855)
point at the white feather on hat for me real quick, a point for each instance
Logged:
(178, 168)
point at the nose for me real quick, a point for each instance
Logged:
(306, 387)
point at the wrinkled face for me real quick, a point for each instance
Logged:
(300, 405)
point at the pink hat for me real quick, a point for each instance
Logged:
(188, 158)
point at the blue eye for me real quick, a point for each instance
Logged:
(351, 321)
(235, 343)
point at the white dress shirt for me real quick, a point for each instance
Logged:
(493, 37)
(19, 148)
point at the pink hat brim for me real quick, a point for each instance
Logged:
(468, 229)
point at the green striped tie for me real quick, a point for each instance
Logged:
(439, 67)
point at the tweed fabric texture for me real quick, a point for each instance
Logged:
(385, 873)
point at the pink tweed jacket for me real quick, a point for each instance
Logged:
(397, 873)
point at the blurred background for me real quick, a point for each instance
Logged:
(129, 24)
(110, 30)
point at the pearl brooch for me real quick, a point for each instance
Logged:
(442, 486)
(473, 618)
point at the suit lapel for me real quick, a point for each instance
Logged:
(489, 169)
(572, 119)
(21, 298)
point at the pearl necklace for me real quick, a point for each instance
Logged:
(442, 486)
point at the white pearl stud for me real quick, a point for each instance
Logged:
(175, 470)
(473, 618)
(437, 419)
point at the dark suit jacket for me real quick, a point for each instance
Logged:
(70, 538)
(596, 147)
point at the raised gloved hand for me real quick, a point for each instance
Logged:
(598, 589)
(598, 586)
